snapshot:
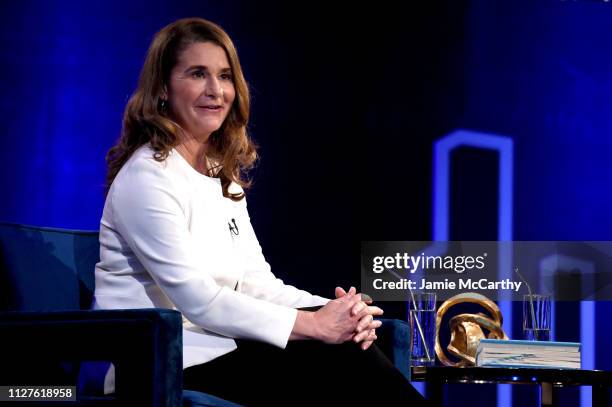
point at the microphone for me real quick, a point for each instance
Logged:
(233, 229)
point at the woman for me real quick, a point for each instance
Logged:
(175, 232)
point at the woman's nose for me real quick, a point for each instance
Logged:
(214, 89)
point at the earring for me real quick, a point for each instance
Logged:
(163, 105)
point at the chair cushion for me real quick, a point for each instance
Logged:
(394, 341)
(46, 269)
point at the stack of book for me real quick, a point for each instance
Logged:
(532, 354)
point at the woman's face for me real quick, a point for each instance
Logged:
(201, 89)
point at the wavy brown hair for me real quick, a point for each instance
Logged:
(145, 119)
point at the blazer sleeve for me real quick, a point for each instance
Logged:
(259, 281)
(148, 213)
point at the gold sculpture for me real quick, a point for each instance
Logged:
(467, 329)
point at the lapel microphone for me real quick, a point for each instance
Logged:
(233, 228)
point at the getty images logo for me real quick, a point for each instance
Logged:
(404, 261)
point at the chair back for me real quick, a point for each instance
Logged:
(46, 269)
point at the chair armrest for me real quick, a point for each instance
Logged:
(145, 345)
(394, 341)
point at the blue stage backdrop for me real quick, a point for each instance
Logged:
(347, 109)
(68, 68)
(541, 73)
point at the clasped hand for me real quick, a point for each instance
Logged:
(348, 317)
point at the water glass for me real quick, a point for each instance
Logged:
(536, 317)
(423, 324)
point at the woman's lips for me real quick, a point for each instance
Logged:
(213, 109)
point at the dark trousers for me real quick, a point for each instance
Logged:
(305, 372)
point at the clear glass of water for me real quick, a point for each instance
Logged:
(423, 324)
(536, 317)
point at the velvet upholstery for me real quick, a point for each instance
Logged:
(46, 269)
(394, 341)
(46, 288)
(144, 345)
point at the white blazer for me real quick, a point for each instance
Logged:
(166, 241)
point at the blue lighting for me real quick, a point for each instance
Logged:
(505, 147)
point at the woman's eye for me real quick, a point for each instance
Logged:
(197, 74)
(226, 77)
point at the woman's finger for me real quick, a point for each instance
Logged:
(362, 309)
(369, 310)
(339, 292)
(358, 308)
(366, 298)
(364, 335)
(368, 322)
(360, 337)
(375, 324)
(373, 310)
(366, 344)
(372, 335)
(364, 323)
(369, 341)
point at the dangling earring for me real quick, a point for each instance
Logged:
(163, 105)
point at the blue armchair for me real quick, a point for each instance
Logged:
(50, 337)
